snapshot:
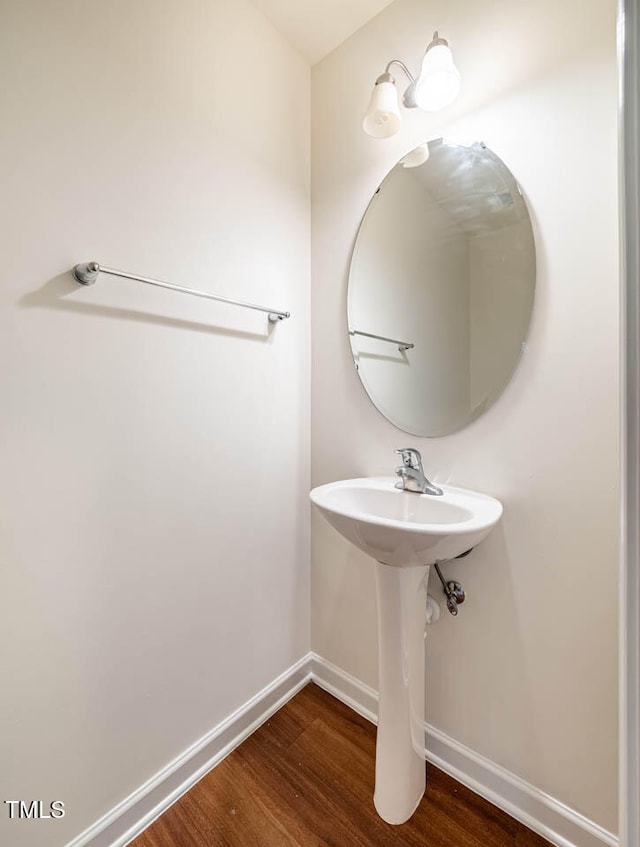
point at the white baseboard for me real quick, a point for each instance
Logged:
(548, 817)
(344, 687)
(545, 815)
(130, 817)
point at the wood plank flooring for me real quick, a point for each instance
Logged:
(305, 779)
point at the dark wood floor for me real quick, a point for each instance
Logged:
(305, 778)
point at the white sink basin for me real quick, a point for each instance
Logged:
(406, 533)
(403, 528)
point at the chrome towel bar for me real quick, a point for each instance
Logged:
(402, 345)
(87, 274)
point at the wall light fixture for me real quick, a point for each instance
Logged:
(436, 86)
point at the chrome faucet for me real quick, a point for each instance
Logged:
(411, 474)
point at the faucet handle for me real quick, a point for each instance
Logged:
(411, 457)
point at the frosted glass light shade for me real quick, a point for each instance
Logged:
(439, 80)
(416, 157)
(383, 115)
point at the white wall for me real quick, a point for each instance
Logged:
(526, 674)
(153, 447)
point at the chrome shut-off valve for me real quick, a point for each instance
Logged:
(453, 590)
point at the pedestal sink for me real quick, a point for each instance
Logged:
(405, 533)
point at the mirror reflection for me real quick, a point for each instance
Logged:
(441, 287)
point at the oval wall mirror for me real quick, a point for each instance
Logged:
(441, 287)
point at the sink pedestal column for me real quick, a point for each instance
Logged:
(400, 771)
